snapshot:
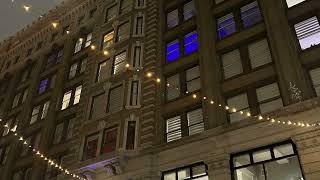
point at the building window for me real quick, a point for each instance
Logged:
(173, 87)
(19, 98)
(189, 10)
(308, 32)
(291, 3)
(190, 42)
(173, 51)
(231, 63)
(140, 3)
(172, 19)
(269, 98)
(125, 6)
(76, 94)
(259, 53)
(240, 103)
(115, 101)
(39, 112)
(98, 106)
(73, 70)
(123, 31)
(4, 151)
(66, 100)
(90, 147)
(197, 171)
(88, 40)
(250, 14)
(137, 55)
(78, 45)
(77, 68)
(61, 132)
(272, 162)
(134, 93)
(46, 83)
(139, 25)
(226, 26)
(193, 79)
(109, 143)
(131, 135)
(26, 73)
(51, 171)
(315, 77)
(108, 40)
(83, 42)
(11, 125)
(175, 126)
(103, 70)
(111, 13)
(119, 63)
(54, 58)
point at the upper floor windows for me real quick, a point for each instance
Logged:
(109, 142)
(315, 77)
(271, 162)
(111, 13)
(119, 63)
(137, 56)
(249, 15)
(90, 147)
(19, 98)
(61, 132)
(269, 98)
(131, 135)
(115, 99)
(125, 6)
(291, 3)
(174, 50)
(140, 3)
(39, 112)
(139, 30)
(98, 106)
(197, 171)
(134, 93)
(308, 32)
(83, 42)
(77, 68)
(46, 83)
(54, 58)
(123, 31)
(187, 12)
(186, 124)
(240, 102)
(103, 70)
(108, 40)
(71, 94)
(10, 125)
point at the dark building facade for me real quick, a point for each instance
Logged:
(159, 89)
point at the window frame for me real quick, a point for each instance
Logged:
(190, 167)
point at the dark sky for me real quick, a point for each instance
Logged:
(13, 17)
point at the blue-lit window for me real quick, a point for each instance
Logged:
(226, 26)
(173, 51)
(250, 14)
(191, 42)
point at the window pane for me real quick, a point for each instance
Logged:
(109, 141)
(288, 168)
(315, 77)
(173, 51)
(283, 150)
(66, 100)
(271, 106)
(241, 160)
(73, 70)
(259, 53)
(191, 42)
(184, 174)
(111, 13)
(193, 79)
(91, 145)
(308, 32)
(189, 10)
(131, 135)
(103, 70)
(137, 56)
(173, 129)
(172, 18)
(34, 115)
(195, 121)
(134, 93)
(88, 40)
(45, 110)
(250, 14)
(98, 106)
(43, 85)
(108, 40)
(77, 95)
(119, 62)
(123, 32)
(226, 26)
(240, 103)
(267, 92)
(83, 65)
(173, 87)
(78, 45)
(262, 155)
(231, 63)
(250, 173)
(115, 99)
(170, 176)
(198, 170)
(291, 3)
(139, 26)
(58, 133)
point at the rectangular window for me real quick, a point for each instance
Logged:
(272, 162)
(231, 63)
(173, 87)
(83, 66)
(140, 3)
(195, 121)
(173, 51)
(137, 56)
(73, 70)
(134, 93)
(139, 25)
(131, 135)
(119, 63)
(19, 98)
(11, 124)
(123, 31)
(34, 141)
(109, 141)
(35, 114)
(115, 102)
(250, 14)
(108, 40)
(66, 100)
(58, 133)
(196, 171)
(103, 70)
(315, 77)
(269, 98)
(77, 95)
(291, 3)
(91, 147)
(173, 129)
(111, 13)
(45, 109)
(226, 26)
(308, 32)
(189, 10)
(125, 6)
(78, 45)
(172, 19)
(98, 106)
(88, 40)
(43, 85)
(259, 53)
(240, 103)
(4, 151)
(193, 79)
(190, 42)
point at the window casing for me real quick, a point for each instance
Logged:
(54, 58)
(90, 147)
(77, 68)
(186, 9)
(279, 161)
(308, 32)
(119, 63)
(139, 27)
(140, 3)
(46, 84)
(108, 40)
(195, 171)
(109, 142)
(115, 99)
(19, 98)
(269, 98)
(315, 78)
(39, 112)
(123, 31)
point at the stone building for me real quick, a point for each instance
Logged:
(159, 89)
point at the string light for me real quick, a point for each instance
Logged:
(54, 24)
(26, 8)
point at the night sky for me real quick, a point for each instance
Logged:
(13, 17)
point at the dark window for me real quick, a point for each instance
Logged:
(90, 147)
(131, 134)
(29, 52)
(250, 14)
(139, 25)
(103, 70)
(98, 106)
(140, 3)
(111, 13)
(34, 141)
(4, 151)
(315, 77)
(77, 68)
(119, 63)
(134, 93)
(19, 98)
(39, 112)
(109, 141)
(123, 31)
(137, 56)
(60, 134)
(115, 99)
(54, 58)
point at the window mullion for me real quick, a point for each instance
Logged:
(253, 101)
(237, 19)
(245, 58)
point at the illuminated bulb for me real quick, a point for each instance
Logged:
(260, 117)
(38, 153)
(279, 122)
(81, 39)
(127, 65)
(302, 125)
(6, 125)
(42, 156)
(15, 134)
(158, 80)
(93, 47)
(220, 105)
(211, 102)
(308, 125)
(194, 96)
(234, 110)
(25, 142)
(289, 122)
(227, 108)
(68, 32)
(54, 25)
(272, 120)
(283, 122)
(0, 119)
(204, 98)
(168, 84)
(30, 146)
(21, 139)
(248, 114)
(26, 8)
(56, 166)
(45, 159)
(241, 112)
(149, 74)
(105, 53)
(187, 92)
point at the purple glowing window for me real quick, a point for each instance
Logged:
(173, 51)
(43, 85)
(191, 42)
(226, 26)
(250, 14)
(308, 32)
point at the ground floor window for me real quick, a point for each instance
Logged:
(196, 171)
(274, 162)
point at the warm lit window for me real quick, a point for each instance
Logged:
(226, 26)
(66, 100)
(77, 95)
(291, 3)
(108, 40)
(269, 98)
(173, 51)
(123, 31)
(315, 77)
(279, 161)
(198, 171)
(111, 13)
(190, 42)
(240, 103)
(119, 63)
(308, 32)
(39, 112)
(172, 18)
(115, 99)
(90, 147)
(109, 143)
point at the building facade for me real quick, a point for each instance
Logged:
(171, 90)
